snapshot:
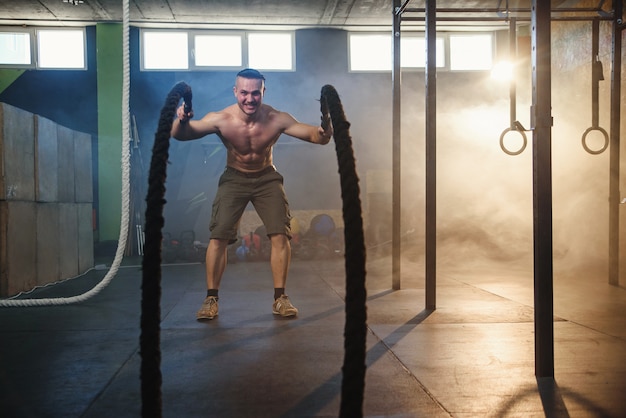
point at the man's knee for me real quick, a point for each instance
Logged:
(217, 244)
(279, 240)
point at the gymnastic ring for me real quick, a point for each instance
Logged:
(523, 147)
(606, 140)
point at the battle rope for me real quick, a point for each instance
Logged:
(151, 265)
(121, 243)
(355, 331)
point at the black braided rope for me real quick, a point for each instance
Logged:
(151, 265)
(355, 331)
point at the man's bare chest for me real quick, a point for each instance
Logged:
(246, 138)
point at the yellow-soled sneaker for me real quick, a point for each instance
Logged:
(283, 307)
(209, 309)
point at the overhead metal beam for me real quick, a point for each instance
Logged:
(501, 19)
(463, 10)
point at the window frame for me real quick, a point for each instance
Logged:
(420, 35)
(33, 57)
(292, 36)
(35, 47)
(142, 46)
(61, 29)
(192, 49)
(350, 48)
(191, 44)
(469, 34)
(444, 36)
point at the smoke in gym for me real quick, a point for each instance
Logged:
(409, 208)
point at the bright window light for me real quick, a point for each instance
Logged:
(218, 50)
(61, 48)
(471, 52)
(271, 51)
(165, 50)
(502, 71)
(373, 52)
(15, 48)
(370, 52)
(413, 52)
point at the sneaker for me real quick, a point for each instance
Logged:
(209, 309)
(283, 307)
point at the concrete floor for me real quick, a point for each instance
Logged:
(472, 357)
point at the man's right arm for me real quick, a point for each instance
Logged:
(185, 129)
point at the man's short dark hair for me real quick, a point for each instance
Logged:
(251, 73)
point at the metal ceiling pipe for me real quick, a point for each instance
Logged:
(462, 10)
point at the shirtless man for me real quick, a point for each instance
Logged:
(248, 129)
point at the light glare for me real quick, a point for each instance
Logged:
(502, 71)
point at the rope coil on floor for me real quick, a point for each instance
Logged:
(355, 331)
(151, 378)
(124, 222)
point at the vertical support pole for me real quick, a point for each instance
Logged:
(396, 231)
(542, 189)
(595, 73)
(431, 155)
(513, 61)
(614, 143)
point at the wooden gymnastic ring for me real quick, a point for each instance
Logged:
(606, 140)
(507, 151)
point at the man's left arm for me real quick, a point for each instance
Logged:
(306, 132)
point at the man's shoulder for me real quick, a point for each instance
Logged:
(228, 110)
(223, 114)
(270, 110)
(273, 113)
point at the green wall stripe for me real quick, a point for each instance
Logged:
(8, 76)
(109, 57)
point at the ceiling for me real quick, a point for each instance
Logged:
(269, 14)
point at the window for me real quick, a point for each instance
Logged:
(15, 48)
(370, 52)
(61, 48)
(214, 50)
(271, 51)
(471, 52)
(43, 48)
(373, 52)
(164, 50)
(413, 52)
(217, 50)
